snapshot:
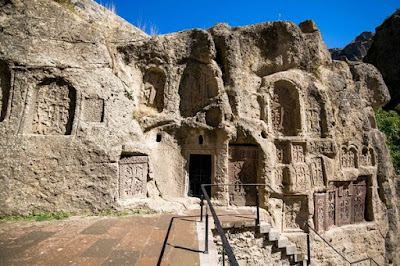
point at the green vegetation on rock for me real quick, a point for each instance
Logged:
(40, 216)
(389, 123)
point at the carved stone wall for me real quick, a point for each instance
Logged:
(243, 166)
(198, 85)
(343, 203)
(285, 109)
(54, 108)
(133, 172)
(293, 206)
(93, 110)
(154, 86)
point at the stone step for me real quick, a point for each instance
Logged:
(283, 241)
(264, 227)
(273, 234)
(291, 249)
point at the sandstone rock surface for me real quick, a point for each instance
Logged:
(385, 55)
(97, 115)
(356, 49)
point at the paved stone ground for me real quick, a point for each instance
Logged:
(134, 240)
(158, 239)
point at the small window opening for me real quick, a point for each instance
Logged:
(201, 140)
(158, 139)
(263, 135)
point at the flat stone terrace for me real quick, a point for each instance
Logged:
(157, 239)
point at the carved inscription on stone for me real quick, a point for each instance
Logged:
(345, 203)
(154, 83)
(54, 109)
(359, 191)
(349, 157)
(294, 208)
(281, 152)
(298, 153)
(319, 208)
(133, 172)
(198, 85)
(93, 110)
(367, 157)
(301, 178)
(314, 116)
(285, 113)
(330, 209)
(243, 166)
(317, 172)
(327, 147)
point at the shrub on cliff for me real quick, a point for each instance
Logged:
(389, 123)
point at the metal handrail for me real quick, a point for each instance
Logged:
(226, 245)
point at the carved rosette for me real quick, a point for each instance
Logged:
(133, 172)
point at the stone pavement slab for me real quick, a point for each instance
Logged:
(159, 239)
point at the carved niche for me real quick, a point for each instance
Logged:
(343, 203)
(243, 167)
(54, 108)
(5, 86)
(285, 109)
(367, 157)
(154, 84)
(316, 116)
(349, 157)
(317, 172)
(294, 208)
(198, 85)
(133, 171)
(281, 152)
(93, 110)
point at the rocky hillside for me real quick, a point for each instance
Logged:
(384, 54)
(356, 49)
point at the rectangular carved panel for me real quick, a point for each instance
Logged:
(54, 108)
(93, 110)
(317, 172)
(344, 204)
(298, 152)
(294, 208)
(133, 172)
(330, 217)
(320, 211)
(243, 166)
(359, 196)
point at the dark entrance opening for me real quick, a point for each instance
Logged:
(199, 173)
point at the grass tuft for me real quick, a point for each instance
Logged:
(37, 216)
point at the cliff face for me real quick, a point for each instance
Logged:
(384, 54)
(97, 115)
(356, 49)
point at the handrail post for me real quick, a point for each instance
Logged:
(258, 208)
(206, 236)
(308, 250)
(223, 255)
(201, 207)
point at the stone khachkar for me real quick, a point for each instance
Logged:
(97, 115)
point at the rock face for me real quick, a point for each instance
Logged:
(97, 115)
(385, 55)
(356, 49)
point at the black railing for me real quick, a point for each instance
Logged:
(225, 244)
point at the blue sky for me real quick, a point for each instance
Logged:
(339, 21)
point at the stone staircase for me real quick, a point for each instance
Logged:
(294, 255)
(283, 243)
